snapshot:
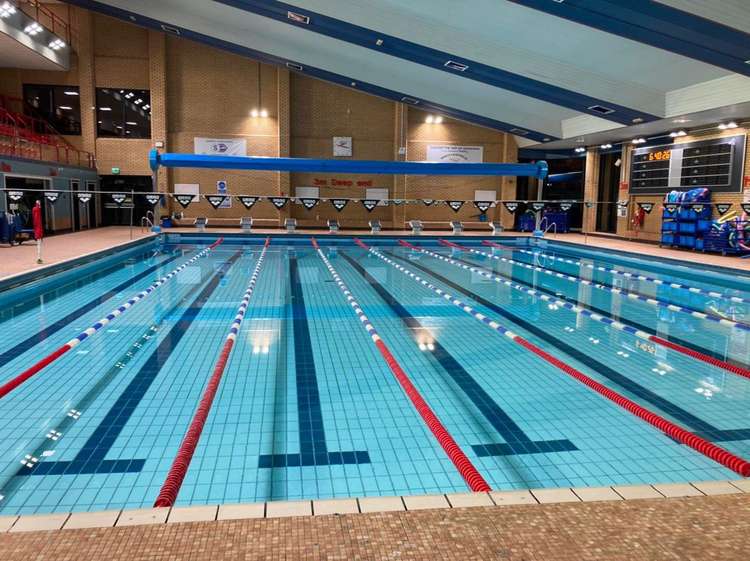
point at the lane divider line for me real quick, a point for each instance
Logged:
(176, 475)
(626, 274)
(471, 475)
(700, 445)
(12, 384)
(614, 290)
(733, 368)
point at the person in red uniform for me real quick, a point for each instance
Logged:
(36, 220)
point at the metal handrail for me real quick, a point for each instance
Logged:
(39, 12)
(146, 224)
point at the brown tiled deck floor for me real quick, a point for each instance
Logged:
(691, 528)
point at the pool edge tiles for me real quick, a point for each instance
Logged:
(532, 497)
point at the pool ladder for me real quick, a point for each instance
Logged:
(147, 223)
(550, 226)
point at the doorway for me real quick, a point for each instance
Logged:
(609, 182)
(33, 190)
(133, 208)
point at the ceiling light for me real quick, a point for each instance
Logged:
(56, 44)
(128, 95)
(675, 134)
(138, 101)
(254, 113)
(638, 120)
(429, 119)
(438, 119)
(638, 140)
(65, 107)
(681, 120)
(130, 123)
(580, 149)
(379, 42)
(729, 125)
(605, 146)
(127, 132)
(7, 9)
(70, 92)
(264, 113)
(32, 29)
(105, 109)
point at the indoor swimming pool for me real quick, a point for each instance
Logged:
(510, 343)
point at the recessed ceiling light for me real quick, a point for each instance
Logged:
(681, 120)
(580, 149)
(254, 113)
(638, 140)
(70, 92)
(66, 107)
(105, 109)
(56, 44)
(729, 125)
(264, 113)
(32, 29)
(675, 134)
(130, 123)
(429, 119)
(379, 42)
(638, 120)
(605, 146)
(7, 9)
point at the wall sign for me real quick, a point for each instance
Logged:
(455, 154)
(222, 188)
(220, 146)
(342, 146)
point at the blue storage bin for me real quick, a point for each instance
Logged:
(669, 225)
(699, 244)
(686, 241)
(704, 226)
(686, 227)
(667, 239)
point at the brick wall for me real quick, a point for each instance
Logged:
(199, 91)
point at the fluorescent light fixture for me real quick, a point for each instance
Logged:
(675, 134)
(638, 140)
(65, 107)
(105, 109)
(7, 9)
(32, 29)
(70, 92)
(56, 44)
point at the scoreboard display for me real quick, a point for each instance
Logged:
(716, 164)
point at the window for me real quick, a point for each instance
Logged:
(123, 113)
(60, 106)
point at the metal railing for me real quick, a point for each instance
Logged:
(46, 17)
(30, 137)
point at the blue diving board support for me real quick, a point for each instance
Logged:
(175, 160)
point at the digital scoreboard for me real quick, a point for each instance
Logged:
(716, 164)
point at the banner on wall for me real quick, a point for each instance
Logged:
(220, 146)
(455, 154)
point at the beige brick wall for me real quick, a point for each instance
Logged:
(201, 91)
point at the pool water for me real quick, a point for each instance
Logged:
(307, 406)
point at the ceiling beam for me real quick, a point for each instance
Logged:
(657, 25)
(439, 60)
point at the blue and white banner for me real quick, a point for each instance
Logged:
(220, 146)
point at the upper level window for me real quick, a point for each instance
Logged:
(60, 106)
(123, 113)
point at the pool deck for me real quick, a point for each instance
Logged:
(551, 524)
(21, 259)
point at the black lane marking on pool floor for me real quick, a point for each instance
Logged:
(91, 457)
(540, 286)
(28, 343)
(312, 435)
(516, 440)
(699, 426)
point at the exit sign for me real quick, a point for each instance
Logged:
(115, 171)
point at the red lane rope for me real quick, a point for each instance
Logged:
(173, 482)
(700, 445)
(12, 384)
(471, 475)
